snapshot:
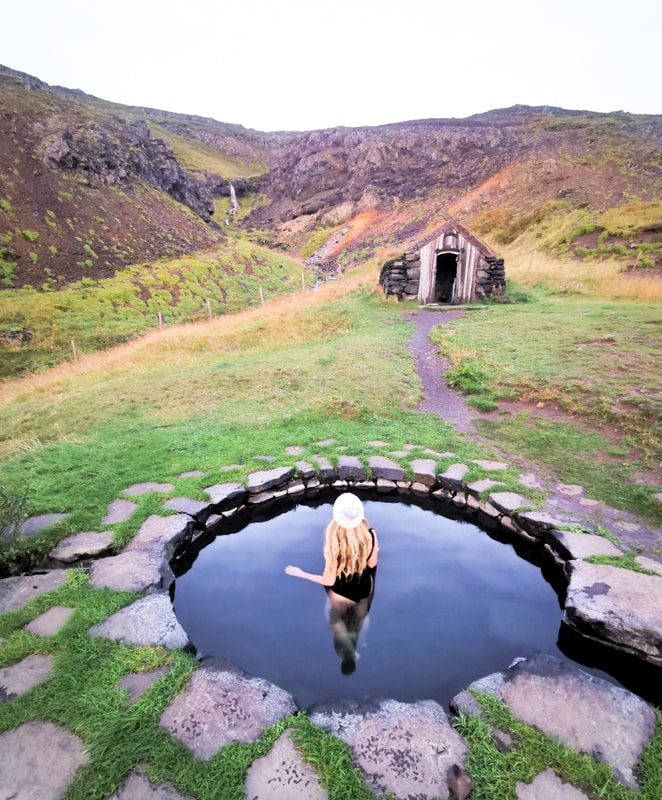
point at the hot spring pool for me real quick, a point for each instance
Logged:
(450, 605)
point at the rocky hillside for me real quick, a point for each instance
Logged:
(88, 186)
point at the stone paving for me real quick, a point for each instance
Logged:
(408, 749)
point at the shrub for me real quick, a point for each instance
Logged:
(31, 236)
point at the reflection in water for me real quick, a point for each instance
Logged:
(453, 605)
(346, 619)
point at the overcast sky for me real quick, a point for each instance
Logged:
(303, 64)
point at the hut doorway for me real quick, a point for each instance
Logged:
(446, 274)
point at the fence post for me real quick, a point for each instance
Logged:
(261, 295)
(209, 307)
(160, 315)
(73, 348)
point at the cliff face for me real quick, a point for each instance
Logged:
(87, 186)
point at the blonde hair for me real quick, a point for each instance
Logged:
(347, 549)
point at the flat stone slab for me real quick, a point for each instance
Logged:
(538, 523)
(453, 477)
(145, 488)
(483, 485)
(186, 505)
(508, 502)
(570, 489)
(33, 525)
(350, 468)
(617, 605)
(226, 493)
(119, 511)
(650, 564)
(137, 683)
(531, 481)
(263, 480)
(548, 786)
(150, 620)
(132, 571)
(491, 466)
(20, 678)
(283, 775)
(16, 592)
(586, 713)
(39, 760)
(305, 470)
(138, 787)
(425, 470)
(403, 748)
(325, 470)
(194, 473)
(50, 622)
(383, 467)
(160, 534)
(83, 545)
(222, 705)
(574, 544)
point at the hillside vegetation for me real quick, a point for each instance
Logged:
(134, 342)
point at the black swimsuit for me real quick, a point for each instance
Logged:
(357, 587)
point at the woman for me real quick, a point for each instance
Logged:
(350, 563)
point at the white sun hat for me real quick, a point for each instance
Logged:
(348, 510)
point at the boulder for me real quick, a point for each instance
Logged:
(618, 606)
(222, 705)
(584, 712)
(402, 748)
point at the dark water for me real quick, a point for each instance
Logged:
(451, 605)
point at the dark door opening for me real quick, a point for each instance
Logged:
(444, 284)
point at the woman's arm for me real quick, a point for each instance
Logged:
(374, 556)
(327, 578)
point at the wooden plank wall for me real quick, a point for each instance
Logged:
(465, 281)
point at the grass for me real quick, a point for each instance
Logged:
(496, 774)
(329, 364)
(594, 360)
(99, 314)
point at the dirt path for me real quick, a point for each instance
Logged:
(438, 398)
(564, 502)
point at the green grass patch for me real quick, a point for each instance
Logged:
(496, 774)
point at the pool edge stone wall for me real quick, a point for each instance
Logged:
(160, 537)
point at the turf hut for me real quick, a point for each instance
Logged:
(454, 267)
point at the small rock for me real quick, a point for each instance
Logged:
(39, 760)
(137, 683)
(570, 489)
(150, 620)
(16, 592)
(492, 466)
(83, 545)
(459, 782)
(20, 678)
(548, 786)
(283, 775)
(33, 525)
(50, 622)
(119, 511)
(144, 488)
(485, 484)
(186, 505)
(138, 787)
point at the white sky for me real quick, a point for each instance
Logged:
(304, 64)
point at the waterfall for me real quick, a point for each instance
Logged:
(234, 205)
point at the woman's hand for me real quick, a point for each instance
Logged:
(296, 571)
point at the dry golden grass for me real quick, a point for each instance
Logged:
(290, 319)
(605, 279)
